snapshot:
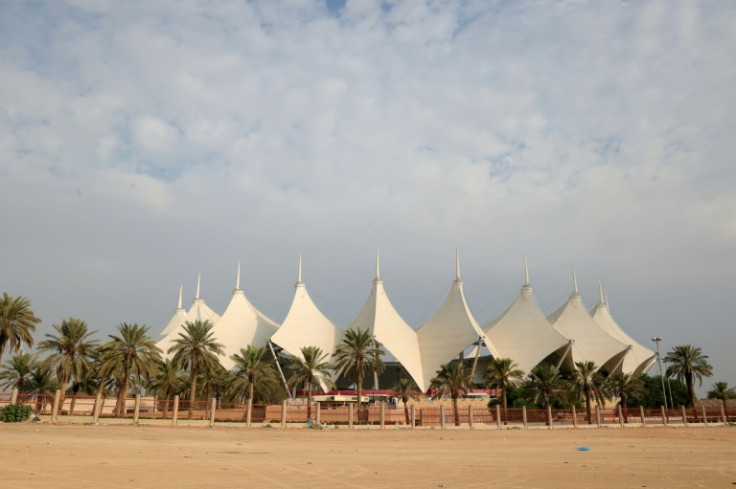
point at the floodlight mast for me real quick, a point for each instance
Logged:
(656, 340)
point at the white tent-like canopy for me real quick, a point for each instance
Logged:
(450, 331)
(639, 358)
(177, 319)
(398, 339)
(241, 325)
(198, 312)
(523, 334)
(590, 341)
(305, 325)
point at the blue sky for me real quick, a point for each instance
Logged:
(144, 142)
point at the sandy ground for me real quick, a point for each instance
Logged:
(61, 456)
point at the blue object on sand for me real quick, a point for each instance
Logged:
(583, 449)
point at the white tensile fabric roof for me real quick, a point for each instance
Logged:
(198, 312)
(241, 325)
(639, 358)
(398, 339)
(305, 325)
(177, 319)
(523, 333)
(591, 342)
(450, 331)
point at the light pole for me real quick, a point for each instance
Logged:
(657, 339)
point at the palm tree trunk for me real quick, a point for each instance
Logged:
(192, 390)
(455, 409)
(122, 394)
(406, 411)
(359, 389)
(309, 402)
(691, 394)
(587, 407)
(505, 406)
(166, 400)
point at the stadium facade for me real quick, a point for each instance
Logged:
(522, 332)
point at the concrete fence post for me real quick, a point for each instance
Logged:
(598, 415)
(549, 416)
(137, 409)
(350, 415)
(14, 396)
(705, 417)
(248, 413)
(57, 397)
(442, 416)
(684, 416)
(620, 416)
(498, 417)
(175, 411)
(98, 407)
(641, 412)
(383, 415)
(523, 416)
(318, 412)
(574, 417)
(413, 416)
(213, 409)
(470, 416)
(664, 415)
(283, 413)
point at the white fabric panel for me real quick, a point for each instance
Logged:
(452, 329)
(639, 357)
(305, 325)
(240, 326)
(397, 337)
(591, 343)
(178, 318)
(198, 312)
(523, 334)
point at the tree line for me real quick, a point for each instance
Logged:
(71, 360)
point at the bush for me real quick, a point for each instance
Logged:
(15, 413)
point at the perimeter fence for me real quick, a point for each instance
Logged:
(146, 410)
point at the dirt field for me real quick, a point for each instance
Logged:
(43, 455)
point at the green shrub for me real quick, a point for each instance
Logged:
(15, 413)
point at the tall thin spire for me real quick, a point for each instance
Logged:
(600, 289)
(237, 278)
(181, 289)
(575, 280)
(299, 272)
(526, 273)
(457, 265)
(199, 279)
(378, 265)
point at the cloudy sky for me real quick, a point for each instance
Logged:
(144, 142)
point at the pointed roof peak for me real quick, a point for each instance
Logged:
(199, 281)
(526, 273)
(457, 265)
(237, 279)
(575, 282)
(299, 272)
(181, 290)
(600, 290)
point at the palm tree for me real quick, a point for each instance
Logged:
(544, 384)
(310, 371)
(167, 382)
(42, 383)
(687, 362)
(253, 374)
(625, 386)
(587, 377)
(196, 350)
(406, 389)
(358, 354)
(721, 391)
(17, 373)
(452, 378)
(72, 353)
(133, 353)
(214, 382)
(500, 375)
(17, 322)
